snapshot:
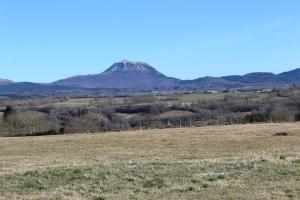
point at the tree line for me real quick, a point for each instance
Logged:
(147, 112)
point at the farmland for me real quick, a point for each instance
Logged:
(34, 116)
(214, 162)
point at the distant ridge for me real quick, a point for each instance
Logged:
(124, 74)
(139, 76)
(5, 81)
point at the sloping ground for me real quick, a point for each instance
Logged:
(124, 74)
(5, 81)
(176, 113)
(223, 162)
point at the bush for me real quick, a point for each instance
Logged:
(281, 114)
(297, 117)
(9, 110)
(256, 117)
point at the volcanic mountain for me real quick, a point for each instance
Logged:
(129, 76)
(124, 74)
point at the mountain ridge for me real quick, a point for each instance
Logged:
(5, 81)
(124, 74)
(140, 76)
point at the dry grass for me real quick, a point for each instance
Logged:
(229, 162)
(193, 98)
(72, 102)
(176, 113)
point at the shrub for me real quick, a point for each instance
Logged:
(256, 117)
(297, 117)
(9, 110)
(281, 114)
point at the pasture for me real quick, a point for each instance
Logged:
(215, 162)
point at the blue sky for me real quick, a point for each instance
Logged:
(46, 40)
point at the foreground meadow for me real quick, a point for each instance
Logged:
(217, 162)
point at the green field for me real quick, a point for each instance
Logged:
(217, 162)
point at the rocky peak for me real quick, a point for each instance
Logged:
(130, 66)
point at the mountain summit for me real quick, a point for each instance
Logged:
(130, 66)
(124, 74)
(139, 76)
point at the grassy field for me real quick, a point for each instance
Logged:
(220, 162)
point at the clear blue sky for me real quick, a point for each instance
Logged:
(46, 40)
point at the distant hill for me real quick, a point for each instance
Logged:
(292, 77)
(124, 74)
(139, 75)
(260, 77)
(251, 80)
(24, 87)
(5, 81)
(128, 76)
